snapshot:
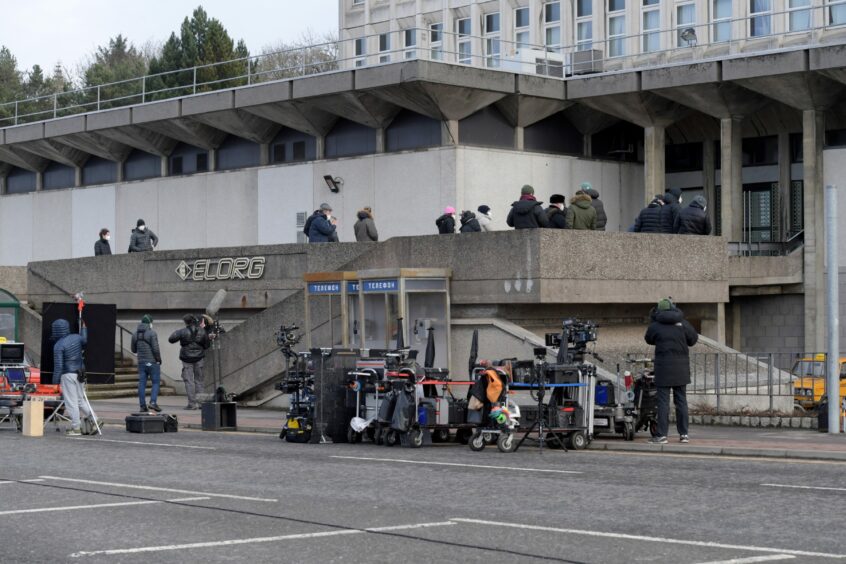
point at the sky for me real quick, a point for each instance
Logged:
(45, 32)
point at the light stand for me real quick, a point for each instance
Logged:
(324, 354)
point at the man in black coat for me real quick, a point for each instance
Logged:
(649, 219)
(142, 239)
(469, 223)
(101, 246)
(670, 211)
(446, 222)
(555, 212)
(601, 216)
(193, 342)
(527, 212)
(672, 336)
(693, 220)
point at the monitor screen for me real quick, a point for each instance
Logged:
(11, 353)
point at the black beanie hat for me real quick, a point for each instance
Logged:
(139, 223)
(556, 199)
(483, 209)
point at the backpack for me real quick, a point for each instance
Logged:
(307, 225)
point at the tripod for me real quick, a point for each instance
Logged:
(540, 382)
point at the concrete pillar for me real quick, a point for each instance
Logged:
(264, 154)
(39, 181)
(653, 166)
(519, 138)
(709, 180)
(119, 177)
(813, 130)
(476, 43)
(380, 140)
(736, 336)
(77, 176)
(165, 166)
(3, 189)
(587, 145)
(212, 160)
(784, 182)
(320, 147)
(731, 181)
(716, 328)
(449, 132)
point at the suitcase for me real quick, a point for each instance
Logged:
(145, 423)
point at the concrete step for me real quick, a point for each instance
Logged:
(117, 386)
(124, 393)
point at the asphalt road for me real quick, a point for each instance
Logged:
(218, 497)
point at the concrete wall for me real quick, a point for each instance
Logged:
(13, 279)
(772, 323)
(407, 191)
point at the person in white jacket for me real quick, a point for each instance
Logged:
(484, 217)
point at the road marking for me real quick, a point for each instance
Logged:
(19, 481)
(140, 443)
(233, 542)
(770, 459)
(805, 487)
(427, 462)
(34, 480)
(153, 488)
(752, 559)
(96, 506)
(708, 544)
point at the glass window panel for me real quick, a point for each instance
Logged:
(800, 20)
(464, 52)
(685, 14)
(651, 2)
(522, 39)
(385, 42)
(759, 26)
(436, 34)
(617, 25)
(521, 17)
(757, 6)
(553, 36)
(584, 8)
(492, 23)
(464, 26)
(616, 5)
(410, 37)
(837, 14)
(585, 31)
(722, 31)
(359, 47)
(552, 12)
(722, 9)
(651, 20)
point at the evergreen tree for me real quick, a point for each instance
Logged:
(10, 85)
(119, 62)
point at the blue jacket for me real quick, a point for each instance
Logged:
(67, 352)
(320, 230)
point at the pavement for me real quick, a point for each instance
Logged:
(705, 439)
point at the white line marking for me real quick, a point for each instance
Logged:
(805, 487)
(708, 544)
(752, 559)
(233, 542)
(19, 481)
(457, 464)
(140, 443)
(153, 488)
(95, 506)
(33, 480)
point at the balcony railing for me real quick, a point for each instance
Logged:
(762, 32)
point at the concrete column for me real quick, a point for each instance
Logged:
(519, 138)
(731, 181)
(709, 180)
(449, 132)
(813, 130)
(320, 147)
(39, 181)
(736, 336)
(3, 189)
(380, 140)
(587, 145)
(119, 176)
(653, 166)
(264, 154)
(476, 43)
(784, 181)
(77, 176)
(212, 161)
(716, 328)
(165, 166)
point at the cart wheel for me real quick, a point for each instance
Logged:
(506, 442)
(489, 438)
(628, 433)
(463, 435)
(415, 438)
(577, 440)
(371, 434)
(352, 436)
(378, 436)
(391, 438)
(440, 436)
(477, 441)
(653, 427)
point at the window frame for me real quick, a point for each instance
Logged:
(492, 40)
(616, 39)
(385, 53)
(721, 22)
(549, 25)
(766, 15)
(360, 56)
(790, 11)
(840, 6)
(464, 45)
(521, 29)
(436, 46)
(580, 22)
(409, 49)
(679, 27)
(648, 34)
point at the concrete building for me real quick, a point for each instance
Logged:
(756, 124)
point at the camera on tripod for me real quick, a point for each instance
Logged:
(573, 340)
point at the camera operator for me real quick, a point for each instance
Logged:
(193, 341)
(67, 365)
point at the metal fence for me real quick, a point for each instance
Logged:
(769, 32)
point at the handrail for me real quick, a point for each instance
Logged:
(590, 57)
(767, 248)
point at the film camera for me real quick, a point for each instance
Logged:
(573, 340)
(287, 338)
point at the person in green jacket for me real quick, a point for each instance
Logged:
(581, 213)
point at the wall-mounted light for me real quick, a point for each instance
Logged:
(688, 34)
(335, 183)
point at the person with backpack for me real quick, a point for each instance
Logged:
(555, 212)
(193, 341)
(469, 223)
(145, 344)
(527, 212)
(322, 228)
(446, 222)
(69, 370)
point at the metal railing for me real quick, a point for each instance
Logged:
(767, 249)
(768, 32)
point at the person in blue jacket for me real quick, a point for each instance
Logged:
(67, 364)
(322, 230)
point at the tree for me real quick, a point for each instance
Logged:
(10, 85)
(119, 62)
(310, 54)
(202, 42)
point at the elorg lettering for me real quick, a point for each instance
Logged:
(226, 268)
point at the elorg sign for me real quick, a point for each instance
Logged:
(227, 268)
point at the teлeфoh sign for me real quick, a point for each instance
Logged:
(227, 268)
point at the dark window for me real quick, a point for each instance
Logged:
(349, 138)
(98, 171)
(410, 131)
(759, 151)
(718, 156)
(683, 157)
(488, 128)
(796, 150)
(521, 17)
(299, 150)
(797, 207)
(622, 142)
(616, 5)
(279, 153)
(835, 138)
(554, 134)
(176, 165)
(20, 181)
(236, 152)
(202, 162)
(139, 165)
(57, 176)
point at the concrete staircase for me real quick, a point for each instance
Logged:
(126, 382)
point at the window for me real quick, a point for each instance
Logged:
(552, 25)
(176, 165)
(202, 162)
(436, 40)
(721, 30)
(279, 153)
(651, 23)
(465, 53)
(616, 36)
(837, 12)
(760, 151)
(521, 27)
(384, 47)
(409, 40)
(685, 18)
(584, 25)
(298, 151)
(760, 17)
(360, 51)
(492, 43)
(798, 19)
(357, 2)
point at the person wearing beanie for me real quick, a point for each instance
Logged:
(555, 212)
(484, 217)
(365, 227)
(527, 212)
(693, 220)
(581, 214)
(672, 336)
(145, 344)
(446, 222)
(142, 239)
(670, 211)
(649, 219)
(601, 216)
(193, 342)
(469, 223)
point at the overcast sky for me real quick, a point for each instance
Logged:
(45, 32)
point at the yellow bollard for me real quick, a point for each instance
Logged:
(33, 417)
